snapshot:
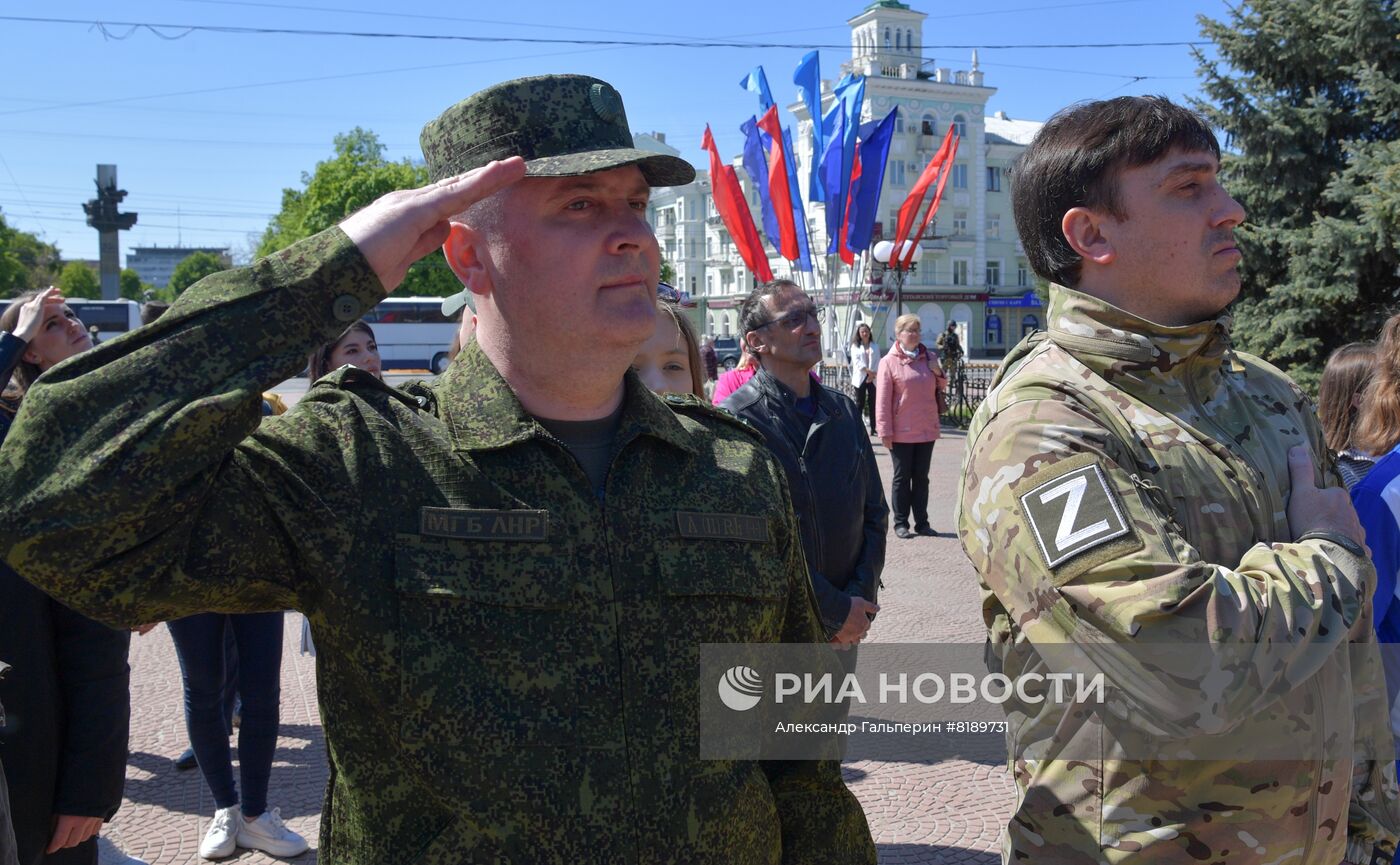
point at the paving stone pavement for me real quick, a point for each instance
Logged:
(921, 811)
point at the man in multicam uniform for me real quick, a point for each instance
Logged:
(1132, 480)
(509, 572)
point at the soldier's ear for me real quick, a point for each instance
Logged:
(1084, 232)
(467, 254)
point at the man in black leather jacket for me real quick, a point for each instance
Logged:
(820, 442)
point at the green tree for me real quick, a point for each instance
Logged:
(1308, 93)
(356, 175)
(25, 261)
(668, 272)
(132, 288)
(78, 280)
(192, 269)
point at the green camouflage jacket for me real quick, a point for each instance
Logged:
(507, 666)
(1125, 486)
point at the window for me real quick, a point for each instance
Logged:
(994, 226)
(993, 178)
(960, 271)
(959, 176)
(1029, 325)
(929, 125)
(692, 291)
(960, 125)
(898, 122)
(899, 40)
(899, 173)
(993, 329)
(959, 223)
(887, 38)
(709, 247)
(1023, 278)
(680, 208)
(993, 273)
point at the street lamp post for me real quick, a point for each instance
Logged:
(891, 263)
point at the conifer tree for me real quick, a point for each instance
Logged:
(1308, 95)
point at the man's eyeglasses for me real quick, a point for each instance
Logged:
(797, 318)
(666, 291)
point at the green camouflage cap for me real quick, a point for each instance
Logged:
(562, 125)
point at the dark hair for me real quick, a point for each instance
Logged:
(855, 337)
(152, 310)
(1378, 426)
(752, 313)
(319, 363)
(1345, 376)
(1075, 160)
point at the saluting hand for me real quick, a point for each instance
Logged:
(32, 312)
(403, 226)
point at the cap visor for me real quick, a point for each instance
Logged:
(452, 305)
(658, 168)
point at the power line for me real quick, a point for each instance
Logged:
(309, 80)
(139, 225)
(156, 28)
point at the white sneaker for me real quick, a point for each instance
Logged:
(222, 836)
(269, 834)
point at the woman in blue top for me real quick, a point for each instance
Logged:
(1377, 496)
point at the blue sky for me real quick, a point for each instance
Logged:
(208, 128)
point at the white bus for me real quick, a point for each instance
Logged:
(109, 318)
(412, 333)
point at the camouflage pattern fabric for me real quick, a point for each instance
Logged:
(1186, 441)
(507, 668)
(562, 125)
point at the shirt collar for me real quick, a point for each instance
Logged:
(483, 413)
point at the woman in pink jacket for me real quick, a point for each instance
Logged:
(906, 419)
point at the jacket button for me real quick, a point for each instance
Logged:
(345, 308)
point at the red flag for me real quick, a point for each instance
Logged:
(909, 210)
(734, 210)
(842, 249)
(937, 198)
(778, 185)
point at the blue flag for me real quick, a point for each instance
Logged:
(758, 83)
(757, 166)
(808, 77)
(799, 213)
(850, 96)
(831, 179)
(874, 150)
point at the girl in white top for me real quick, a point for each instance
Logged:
(864, 359)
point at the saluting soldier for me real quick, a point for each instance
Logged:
(509, 572)
(1135, 485)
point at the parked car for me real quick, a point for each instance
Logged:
(727, 350)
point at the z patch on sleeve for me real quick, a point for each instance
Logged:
(1071, 509)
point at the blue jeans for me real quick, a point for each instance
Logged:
(199, 644)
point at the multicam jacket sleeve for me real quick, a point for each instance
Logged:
(155, 423)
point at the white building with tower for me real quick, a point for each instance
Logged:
(972, 270)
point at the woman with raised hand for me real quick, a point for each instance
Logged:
(66, 697)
